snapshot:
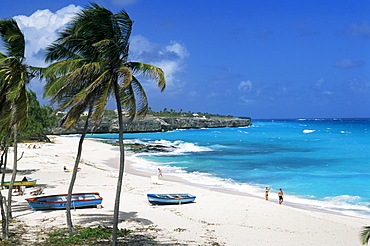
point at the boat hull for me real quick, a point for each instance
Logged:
(168, 199)
(21, 183)
(53, 202)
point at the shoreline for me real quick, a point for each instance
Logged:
(171, 177)
(214, 217)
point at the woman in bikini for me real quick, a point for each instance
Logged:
(267, 193)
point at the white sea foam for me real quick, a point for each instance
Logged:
(308, 131)
(180, 147)
(345, 132)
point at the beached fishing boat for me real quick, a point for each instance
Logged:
(79, 200)
(71, 170)
(26, 181)
(167, 199)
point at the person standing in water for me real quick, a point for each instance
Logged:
(267, 193)
(160, 173)
(281, 196)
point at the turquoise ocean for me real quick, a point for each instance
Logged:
(320, 163)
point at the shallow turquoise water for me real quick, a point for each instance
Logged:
(323, 163)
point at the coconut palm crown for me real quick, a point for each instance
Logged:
(89, 56)
(14, 75)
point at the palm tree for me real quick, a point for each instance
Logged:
(14, 76)
(365, 235)
(90, 66)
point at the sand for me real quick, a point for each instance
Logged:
(214, 217)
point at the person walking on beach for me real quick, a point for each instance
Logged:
(267, 193)
(160, 173)
(281, 195)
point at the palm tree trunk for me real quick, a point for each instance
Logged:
(74, 176)
(4, 221)
(5, 160)
(14, 173)
(121, 167)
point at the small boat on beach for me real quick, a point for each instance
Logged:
(26, 181)
(70, 170)
(168, 199)
(79, 200)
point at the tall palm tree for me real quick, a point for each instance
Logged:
(14, 76)
(90, 66)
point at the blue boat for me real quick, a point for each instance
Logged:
(79, 200)
(167, 199)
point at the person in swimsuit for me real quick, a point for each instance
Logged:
(281, 195)
(160, 173)
(267, 193)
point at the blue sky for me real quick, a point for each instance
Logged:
(262, 59)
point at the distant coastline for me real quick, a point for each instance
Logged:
(158, 124)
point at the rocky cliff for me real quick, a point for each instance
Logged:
(158, 124)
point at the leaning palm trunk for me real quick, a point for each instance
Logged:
(4, 221)
(4, 159)
(74, 175)
(121, 167)
(14, 173)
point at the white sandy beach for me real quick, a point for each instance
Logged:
(215, 217)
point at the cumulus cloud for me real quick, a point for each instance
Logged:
(348, 63)
(170, 58)
(40, 30)
(245, 86)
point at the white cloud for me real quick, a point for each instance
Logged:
(245, 86)
(40, 30)
(178, 49)
(328, 93)
(170, 58)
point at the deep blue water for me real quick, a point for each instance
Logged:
(323, 163)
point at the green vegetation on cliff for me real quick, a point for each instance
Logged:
(173, 113)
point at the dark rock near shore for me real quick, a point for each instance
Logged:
(158, 124)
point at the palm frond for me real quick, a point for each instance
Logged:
(365, 235)
(142, 105)
(125, 75)
(57, 52)
(127, 99)
(13, 38)
(101, 101)
(150, 71)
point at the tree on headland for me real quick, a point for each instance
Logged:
(39, 120)
(90, 66)
(14, 76)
